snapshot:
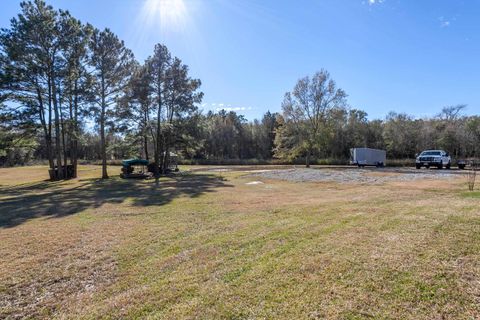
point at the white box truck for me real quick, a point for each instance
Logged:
(368, 157)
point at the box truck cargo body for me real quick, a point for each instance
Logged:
(368, 157)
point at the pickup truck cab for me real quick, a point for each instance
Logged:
(434, 158)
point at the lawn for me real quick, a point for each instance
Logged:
(210, 244)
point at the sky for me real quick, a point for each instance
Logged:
(406, 56)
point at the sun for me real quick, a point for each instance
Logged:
(168, 14)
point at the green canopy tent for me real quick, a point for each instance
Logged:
(135, 162)
(134, 169)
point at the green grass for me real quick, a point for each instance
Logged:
(204, 245)
(471, 194)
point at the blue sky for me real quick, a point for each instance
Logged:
(390, 55)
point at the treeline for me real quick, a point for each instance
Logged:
(227, 137)
(400, 134)
(71, 92)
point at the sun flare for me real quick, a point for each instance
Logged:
(166, 13)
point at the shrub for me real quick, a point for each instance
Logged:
(471, 176)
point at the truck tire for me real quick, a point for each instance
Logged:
(418, 166)
(449, 165)
(440, 166)
(461, 166)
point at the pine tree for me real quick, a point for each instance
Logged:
(112, 65)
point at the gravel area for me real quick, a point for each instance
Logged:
(356, 175)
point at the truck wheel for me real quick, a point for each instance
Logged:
(440, 166)
(418, 166)
(449, 165)
(461, 166)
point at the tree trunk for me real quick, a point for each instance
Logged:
(103, 142)
(145, 145)
(168, 141)
(73, 159)
(159, 136)
(58, 152)
(76, 132)
(165, 160)
(46, 132)
(102, 133)
(145, 134)
(104, 150)
(307, 159)
(71, 133)
(48, 142)
(49, 135)
(158, 148)
(64, 145)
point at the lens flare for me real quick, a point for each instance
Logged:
(168, 14)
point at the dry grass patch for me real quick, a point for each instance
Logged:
(208, 245)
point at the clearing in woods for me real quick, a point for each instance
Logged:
(231, 243)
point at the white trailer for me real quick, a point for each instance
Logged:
(368, 157)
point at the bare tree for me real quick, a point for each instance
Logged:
(306, 111)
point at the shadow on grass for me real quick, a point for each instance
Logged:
(51, 199)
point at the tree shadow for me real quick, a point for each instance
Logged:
(20, 189)
(47, 199)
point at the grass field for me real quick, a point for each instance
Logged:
(206, 244)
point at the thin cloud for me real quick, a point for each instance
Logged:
(444, 23)
(231, 109)
(374, 2)
(224, 106)
(447, 22)
(234, 109)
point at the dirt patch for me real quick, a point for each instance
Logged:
(354, 175)
(242, 168)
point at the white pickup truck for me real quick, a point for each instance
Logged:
(433, 158)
